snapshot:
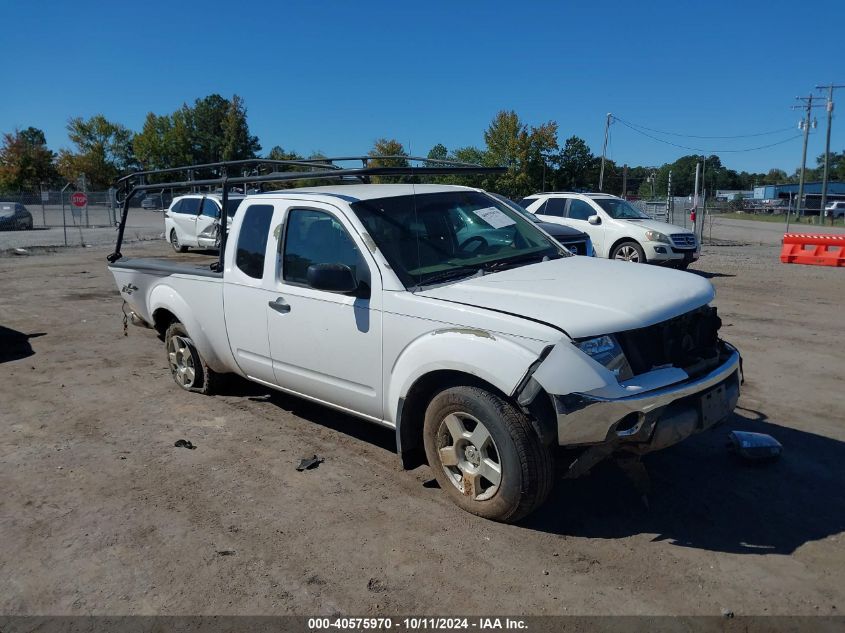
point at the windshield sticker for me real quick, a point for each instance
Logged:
(494, 217)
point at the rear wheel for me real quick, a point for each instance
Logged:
(629, 252)
(174, 242)
(485, 454)
(186, 365)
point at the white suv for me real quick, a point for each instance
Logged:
(617, 229)
(194, 220)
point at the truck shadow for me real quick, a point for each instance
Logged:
(703, 497)
(15, 345)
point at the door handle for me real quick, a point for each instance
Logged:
(280, 305)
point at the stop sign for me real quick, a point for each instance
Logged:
(79, 199)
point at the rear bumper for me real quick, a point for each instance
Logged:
(655, 419)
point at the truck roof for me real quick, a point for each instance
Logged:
(356, 193)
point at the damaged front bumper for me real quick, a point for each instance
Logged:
(654, 419)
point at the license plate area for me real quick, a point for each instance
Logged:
(714, 406)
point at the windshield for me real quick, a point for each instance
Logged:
(620, 209)
(438, 237)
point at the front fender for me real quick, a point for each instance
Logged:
(498, 361)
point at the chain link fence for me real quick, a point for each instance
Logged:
(57, 221)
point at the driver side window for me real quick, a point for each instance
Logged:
(210, 208)
(316, 237)
(580, 210)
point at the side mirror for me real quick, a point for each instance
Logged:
(595, 220)
(332, 278)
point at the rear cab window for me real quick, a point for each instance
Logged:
(252, 240)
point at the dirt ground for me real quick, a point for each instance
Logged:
(101, 514)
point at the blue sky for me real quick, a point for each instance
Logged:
(334, 76)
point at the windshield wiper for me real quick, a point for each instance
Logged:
(517, 260)
(447, 275)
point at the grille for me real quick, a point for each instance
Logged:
(684, 240)
(579, 248)
(690, 342)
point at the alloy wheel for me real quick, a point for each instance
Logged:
(469, 456)
(181, 361)
(627, 254)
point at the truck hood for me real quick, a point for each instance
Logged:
(583, 296)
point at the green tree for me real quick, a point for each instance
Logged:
(774, 177)
(576, 167)
(212, 130)
(438, 152)
(25, 161)
(522, 150)
(238, 143)
(103, 151)
(388, 147)
(836, 166)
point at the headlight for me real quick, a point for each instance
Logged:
(656, 236)
(606, 351)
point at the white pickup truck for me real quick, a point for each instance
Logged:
(483, 343)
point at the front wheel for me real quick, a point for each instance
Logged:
(629, 252)
(485, 454)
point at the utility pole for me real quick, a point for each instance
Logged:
(670, 203)
(695, 197)
(806, 127)
(624, 181)
(700, 217)
(829, 107)
(604, 149)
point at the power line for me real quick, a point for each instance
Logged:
(703, 150)
(650, 129)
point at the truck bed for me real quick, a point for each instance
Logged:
(165, 267)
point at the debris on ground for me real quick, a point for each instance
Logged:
(307, 463)
(184, 444)
(20, 251)
(754, 446)
(225, 552)
(376, 586)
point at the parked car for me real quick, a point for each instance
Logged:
(835, 209)
(153, 202)
(484, 347)
(576, 241)
(194, 220)
(617, 229)
(14, 216)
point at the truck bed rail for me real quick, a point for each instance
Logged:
(304, 169)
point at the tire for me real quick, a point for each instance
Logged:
(187, 367)
(493, 435)
(682, 265)
(174, 242)
(629, 252)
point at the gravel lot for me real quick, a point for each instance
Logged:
(102, 515)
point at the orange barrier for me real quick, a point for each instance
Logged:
(816, 250)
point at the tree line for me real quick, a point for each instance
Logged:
(215, 129)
